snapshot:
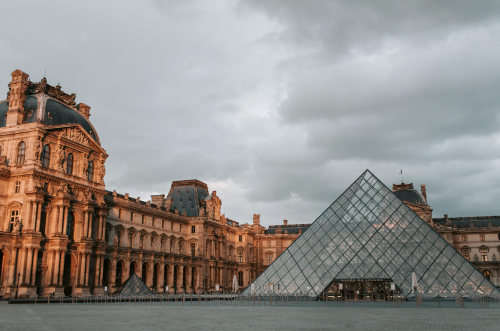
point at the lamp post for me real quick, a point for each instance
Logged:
(17, 288)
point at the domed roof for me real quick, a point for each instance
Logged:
(411, 196)
(50, 106)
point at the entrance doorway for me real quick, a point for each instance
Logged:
(360, 290)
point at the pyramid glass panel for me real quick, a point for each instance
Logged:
(369, 234)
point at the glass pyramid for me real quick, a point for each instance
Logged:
(134, 286)
(368, 233)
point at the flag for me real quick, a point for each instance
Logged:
(401, 171)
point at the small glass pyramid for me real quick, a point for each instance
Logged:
(368, 233)
(134, 286)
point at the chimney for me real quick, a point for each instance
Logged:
(158, 200)
(17, 97)
(424, 194)
(285, 222)
(84, 110)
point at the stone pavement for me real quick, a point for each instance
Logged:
(299, 316)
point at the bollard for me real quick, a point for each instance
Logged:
(259, 299)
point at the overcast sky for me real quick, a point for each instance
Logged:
(278, 105)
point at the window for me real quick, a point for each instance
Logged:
(240, 238)
(172, 226)
(464, 237)
(484, 254)
(180, 227)
(487, 274)
(70, 228)
(21, 153)
(269, 257)
(0, 150)
(90, 171)
(499, 236)
(240, 256)
(131, 216)
(13, 217)
(43, 222)
(193, 249)
(465, 253)
(481, 237)
(69, 164)
(163, 224)
(143, 219)
(193, 229)
(45, 158)
(120, 215)
(17, 188)
(269, 243)
(153, 221)
(240, 278)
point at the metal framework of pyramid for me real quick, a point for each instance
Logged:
(134, 286)
(368, 233)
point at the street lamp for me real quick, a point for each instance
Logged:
(17, 288)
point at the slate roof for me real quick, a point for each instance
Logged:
(292, 228)
(411, 196)
(59, 114)
(187, 195)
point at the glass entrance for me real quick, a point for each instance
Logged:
(360, 290)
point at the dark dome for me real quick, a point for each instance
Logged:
(411, 196)
(54, 113)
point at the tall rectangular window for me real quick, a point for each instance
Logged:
(484, 254)
(193, 229)
(240, 238)
(481, 237)
(131, 216)
(269, 258)
(153, 221)
(180, 227)
(163, 224)
(464, 237)
(143, 219)
(240, 278)
(269, 243)
(193, 249)
(120, 215)
(13, 216)
(172, 226)
(465, 252)
(240, 256)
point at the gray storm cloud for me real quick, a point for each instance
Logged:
(278, 105)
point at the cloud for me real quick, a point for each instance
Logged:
(278, 105)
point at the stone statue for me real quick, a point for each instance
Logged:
(475, 257)
(101, 171)
(130, 237)
(18, 225)
(494, 257)
(115, 241)
(36, 147)
(141, 242)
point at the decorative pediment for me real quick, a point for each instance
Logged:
(75, 134)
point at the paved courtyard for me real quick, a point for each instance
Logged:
(299, 316)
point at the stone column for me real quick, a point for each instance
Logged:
(33, 266)
(101, 271)
(61, 268)
(55, 222)
(181, 277)
(82, 269)
(65, 220)
(85, 223)
(29, 263)
(50, 267)
(57, 264)
(91, 216)
(60, 223)
(87, 270)
(38, 215)
(30, 212)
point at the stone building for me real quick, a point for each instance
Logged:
(61, 231)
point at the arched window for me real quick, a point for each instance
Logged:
(69, 164)
(90, 171)
(70, 228)
(21, 153)
(45, 156)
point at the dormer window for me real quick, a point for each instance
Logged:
(69, 164)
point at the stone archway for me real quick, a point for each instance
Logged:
(105, 272)
(145, 273)
(119, 273)
(68, 274)
(155, 275)
(133, 268)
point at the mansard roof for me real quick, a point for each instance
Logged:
(187, 196)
